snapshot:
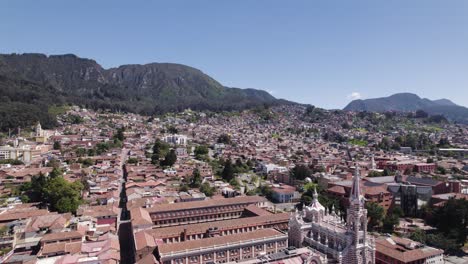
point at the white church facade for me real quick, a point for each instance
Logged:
(346, 243)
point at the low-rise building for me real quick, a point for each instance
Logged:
(402, 250)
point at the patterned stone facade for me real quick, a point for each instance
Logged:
(344, 242)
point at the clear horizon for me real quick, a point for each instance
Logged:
(323, 53)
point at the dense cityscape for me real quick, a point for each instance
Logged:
(282, 184)
(233, 132)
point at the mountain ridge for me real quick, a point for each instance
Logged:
(410, 102)
(171, 86)
(140, 88)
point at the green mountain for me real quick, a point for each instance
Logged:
(39, 81)
(408, 102)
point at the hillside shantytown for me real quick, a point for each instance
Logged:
(272, 184)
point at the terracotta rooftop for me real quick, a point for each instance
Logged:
(400, 249)
(140, 216)
(167, 249)
(11, 215)
(256, 210)
(61, 235)
(205, 203)
(221, 225)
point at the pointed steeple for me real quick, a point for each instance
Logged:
(315, 195)
(356, 188)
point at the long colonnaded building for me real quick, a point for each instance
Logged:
(192, 225)
(201, 211)
(222, 249)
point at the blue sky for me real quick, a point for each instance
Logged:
(318, 52)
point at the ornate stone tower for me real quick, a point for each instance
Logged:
(295, 233)
(362, 247)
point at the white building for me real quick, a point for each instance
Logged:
(176, 139)
(19, 153)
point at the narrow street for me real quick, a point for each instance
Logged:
(127, 250)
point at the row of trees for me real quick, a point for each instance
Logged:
(230, 169)
(381, 220)
(451, 221)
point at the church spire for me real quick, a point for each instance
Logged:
(356, 188)
(315, 195)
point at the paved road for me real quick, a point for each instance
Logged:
(127, 255)
(126, 239)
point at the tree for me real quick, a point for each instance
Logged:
(224, 138)
(80, 152)
(54, 163)
(62, 195)
(389, 223)
(56, 172)
(59, 194)
(418, 235)
(384, 144)
(101, 148)
(451, 220)
(387, 172)
(195, 180)
(57, 145)
(120, 134)
(132, 160)
(88, 162)
(172, 130)
(91, 152)
(421, 114)
(266, 191)
(201, 152)
(444, 143)
(309, 110)
(170, 158)
(449, 245)
(374, 174)
(65, 204)
(207, 189)
(375, 212)
(183, 188)
(397, 211)
(160, 150)
(300, 172)
(228, 171)
(441, 170)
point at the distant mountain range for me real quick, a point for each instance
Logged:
(40, 80)
(408, 102)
